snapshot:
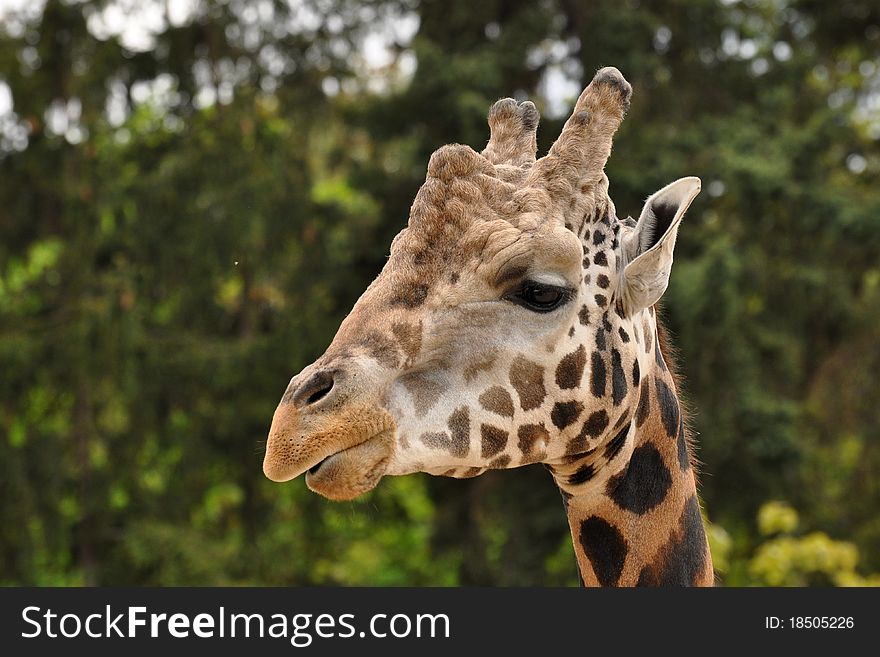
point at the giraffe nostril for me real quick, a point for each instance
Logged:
(315, 388)
(319, 394)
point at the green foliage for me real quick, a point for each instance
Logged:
(187, 219)
(777, 518)
(790, 560)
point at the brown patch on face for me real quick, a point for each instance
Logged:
(482, 365)
(410, 294)
(649, 338)
(571, 369)
(497, 400)
(409, 337)
(527, 379)
(501, 462)
(494, 440)
(470, 472)
(425, 393)
(440, 440)
(460, 425)
(382, 348)
(533, 440)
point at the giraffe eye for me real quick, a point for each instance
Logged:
(539, 297)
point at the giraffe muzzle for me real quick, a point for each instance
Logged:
(343, 449)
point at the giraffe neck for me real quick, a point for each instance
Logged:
(637, 521)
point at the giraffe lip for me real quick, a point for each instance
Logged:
(349, 472)
(314, 469)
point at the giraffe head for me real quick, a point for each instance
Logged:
(505, 326)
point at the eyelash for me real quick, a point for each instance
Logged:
(525, 296)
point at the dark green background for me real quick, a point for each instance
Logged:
(167, 266)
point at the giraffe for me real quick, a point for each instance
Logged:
(514, 323)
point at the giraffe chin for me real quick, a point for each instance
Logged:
(353, 471)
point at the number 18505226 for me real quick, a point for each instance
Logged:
(809, 622)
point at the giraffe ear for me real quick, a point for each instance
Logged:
(648, 248)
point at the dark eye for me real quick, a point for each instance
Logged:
(539, 297)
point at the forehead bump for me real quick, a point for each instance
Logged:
(457, 161)
(505, 178)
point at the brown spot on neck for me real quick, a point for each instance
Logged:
(648, 503)
(684, 559)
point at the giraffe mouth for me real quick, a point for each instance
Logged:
(343, 447)
(350, 472)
